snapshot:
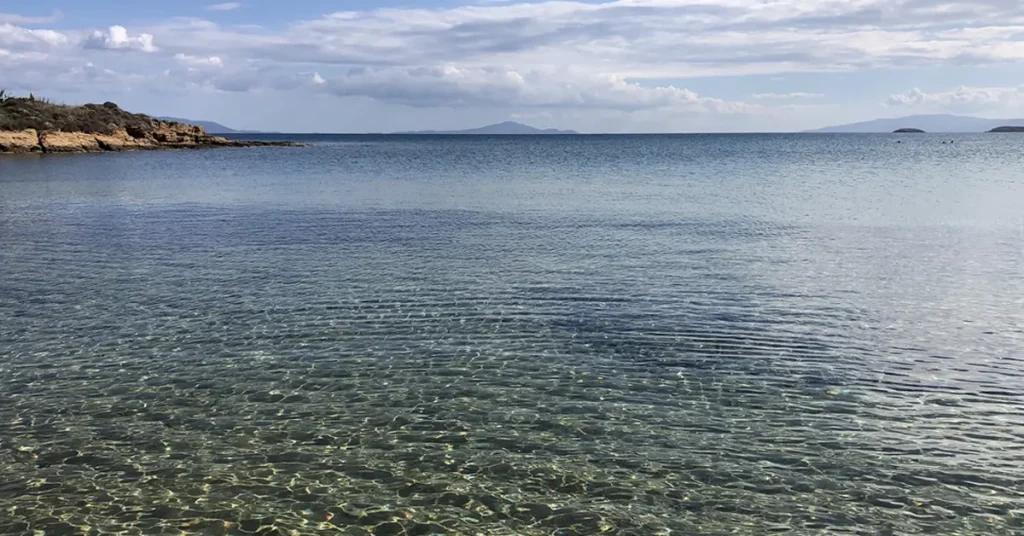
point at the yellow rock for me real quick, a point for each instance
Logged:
(119, 140)
(22, 141)
(69, 142)
(157, 135)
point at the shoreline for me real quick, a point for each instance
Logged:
(169, 137)
(29, 125)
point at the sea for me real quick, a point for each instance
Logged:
(532, 335)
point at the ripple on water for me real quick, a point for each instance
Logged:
(395, 374)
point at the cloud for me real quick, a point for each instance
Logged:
(787, 96)
(45, 76)
(194, 61)
(12, 18)
(18, 38)
(449, 86)
(635, 39)
(11, 60)
(453, 85)
(627, 56)
(226, 6)
(117, 38)
(206, 74)
(961, 98)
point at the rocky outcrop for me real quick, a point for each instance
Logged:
(164, 136)
(36, 126)
(22, 141)
(1007, 129)
(908, 131)
(68, 142)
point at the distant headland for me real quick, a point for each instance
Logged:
(908, 131)
(503, 129)
(34, 125)
(937, 123)
(1007, 129)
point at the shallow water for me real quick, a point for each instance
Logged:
(571, 335)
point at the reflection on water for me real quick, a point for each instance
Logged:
(214, 369)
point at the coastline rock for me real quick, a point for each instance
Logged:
(120, 141)
(68, 142)
(167, 136)
(34, 126)
(23, 141)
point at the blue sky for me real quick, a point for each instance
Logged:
(596, 66)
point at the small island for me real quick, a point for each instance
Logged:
(32, 125)
(1007, 129)
(908, 131)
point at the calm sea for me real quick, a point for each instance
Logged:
(749, 334)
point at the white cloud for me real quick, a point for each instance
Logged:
(207, 75)
(46, 77)
(16, 37)
(453, 85)
(787, 96)
(226, 6)
(117, 38)
(10, 60)
(655, 39)
(628, 39)
(627, 56)
(961, 98)
(194, 61)
(13, 18)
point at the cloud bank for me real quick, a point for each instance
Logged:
(622, 55)
(961, 98)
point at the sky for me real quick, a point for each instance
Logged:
(592, 66)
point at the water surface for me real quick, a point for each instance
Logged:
(500, 335)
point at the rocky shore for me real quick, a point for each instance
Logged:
(28, 125)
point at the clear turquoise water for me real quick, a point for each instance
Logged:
(552, 335)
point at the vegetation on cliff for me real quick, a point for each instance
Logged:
(30, 125)
(23, 113)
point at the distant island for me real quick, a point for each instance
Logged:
(932, 123)
(31, 125)
(506, 128)
(908, 131)
(1007, 129)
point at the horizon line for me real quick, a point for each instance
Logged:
(550, 135)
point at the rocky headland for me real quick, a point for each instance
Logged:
(31, 125)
